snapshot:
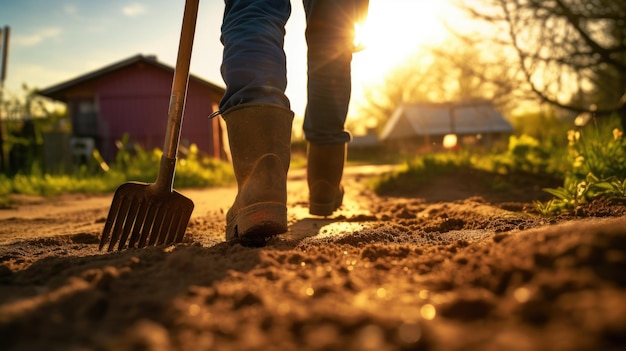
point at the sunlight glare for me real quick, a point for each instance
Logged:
(393, 31)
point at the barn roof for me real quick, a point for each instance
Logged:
(57, 91)
(422, 119)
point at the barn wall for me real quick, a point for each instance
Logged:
(135, 101)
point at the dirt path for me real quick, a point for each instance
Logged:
(452, 265)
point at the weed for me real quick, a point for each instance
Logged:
(597, 168)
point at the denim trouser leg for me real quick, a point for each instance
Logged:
(330, 40)
(254, 64)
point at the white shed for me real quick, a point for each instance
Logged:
(430, 120)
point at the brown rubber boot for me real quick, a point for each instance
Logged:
(324, 172)
(260, 143)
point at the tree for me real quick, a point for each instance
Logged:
(451, 72)
(572, 53)
(27, 116)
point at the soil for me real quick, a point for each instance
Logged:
(452, 264)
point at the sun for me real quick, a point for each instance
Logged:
(394, 30)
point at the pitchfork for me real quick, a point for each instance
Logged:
(155, 214)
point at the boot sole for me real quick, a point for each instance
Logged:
(254, 224)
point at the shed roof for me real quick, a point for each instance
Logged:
(440, 119)
(58, 91)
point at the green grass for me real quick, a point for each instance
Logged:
(592, 165)
(192, 171)
(419, 170)
(591, 162)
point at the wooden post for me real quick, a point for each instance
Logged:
(4, 33)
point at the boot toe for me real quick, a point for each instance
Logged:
(255, 224)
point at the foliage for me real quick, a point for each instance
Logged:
(547, 126)
(526, 154)
(27, 104)
(592, 165)
(420, 169)
(196, 170)
(597, 168)
(27, 117)
(523, 155)
(131, 163)
(571, 53)
(454, 72)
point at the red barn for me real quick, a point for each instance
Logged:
(131, 97)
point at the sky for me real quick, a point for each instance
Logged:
(53, 41)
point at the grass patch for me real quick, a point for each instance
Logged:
(419, 170)
(193, 170)
(592, 165)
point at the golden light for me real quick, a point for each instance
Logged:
(582, 119)
(359, 45)
(450, 141)
(381, 293)
(393, 31)
(428, 312)
(522, 295)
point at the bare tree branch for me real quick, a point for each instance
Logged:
(560, 40)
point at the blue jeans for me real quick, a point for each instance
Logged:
(254, 62)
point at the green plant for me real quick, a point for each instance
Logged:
(612, 187)
(597, 168)
(196, 170)
(5, 190)
(527, 154)
(570, 195)
(132, 163)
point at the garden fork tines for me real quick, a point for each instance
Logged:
(155, 214)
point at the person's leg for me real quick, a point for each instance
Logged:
(330, 40)
(254, 63)
(257, 116)
(260, 144)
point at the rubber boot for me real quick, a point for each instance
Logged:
(260, 143)
(324, 172)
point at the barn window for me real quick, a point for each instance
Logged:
(86, 107)
(86, 118)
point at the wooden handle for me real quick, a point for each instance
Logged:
(181, 79)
